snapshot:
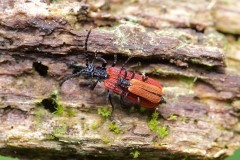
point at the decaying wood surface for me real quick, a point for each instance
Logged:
(177, 42)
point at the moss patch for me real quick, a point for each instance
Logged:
(70, 112)
(172, 117)
(59, 130)
(40, 115)
(52, 104)
(188, 80)
(114, 128)
(96, 124)
(135, 154)
(105, 112)
(105, 140)
(7, 158)
(155, 126)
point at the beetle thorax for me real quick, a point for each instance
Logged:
(123, 82)
(98, 73)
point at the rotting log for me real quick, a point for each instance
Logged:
(39, 39)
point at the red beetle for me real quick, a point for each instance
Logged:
(134, 87)
(147, 92)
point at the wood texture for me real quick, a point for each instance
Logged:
(177, 42)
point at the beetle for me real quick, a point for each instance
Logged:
(136, 88)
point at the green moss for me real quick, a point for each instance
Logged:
(188, 80)
(235, 156)
(59, 130)
(59, 109)
(155, 126)
(70, 112)
(143, 109)
(7, 158)
(184, 119)
(114, 128)
(104, 112)
(40, 114)
(135, 154)
(162, 131)
(206, 64)
(54, 94)
(172, 117)
(38, 102)
(54, 103)
(132, 109)
(105, 140)
(163, 71)
(50, 137)
(96, 124)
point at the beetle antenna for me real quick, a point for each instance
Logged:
(85, 52)
(124, 65)
(115, 60)
(126, 61)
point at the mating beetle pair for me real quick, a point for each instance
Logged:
(131, 86)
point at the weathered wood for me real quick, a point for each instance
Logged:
(38, 41)
(225, 13)
(39, 34)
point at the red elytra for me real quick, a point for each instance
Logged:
(139, 94)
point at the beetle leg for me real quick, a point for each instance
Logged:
(75, 66)
(70, 76)
(126, 94)
(124, 66)
(138, 100)
(144, 77)
(92, 86)
(125, 74)
(84, 83)
(109, 99)
(104, 62)
(115, 60)
(126, 61)
(162, 100)
(133, 74)
(121, 101)
(138, 66)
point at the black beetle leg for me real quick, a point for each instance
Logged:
(133, 74)
(115, 60)
(162, 100)
(138, 100)
(104, 62)
(144, 77)
(92, 86)
(127, 61)
(109, 99)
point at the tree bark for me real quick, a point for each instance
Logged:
(177, 42)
